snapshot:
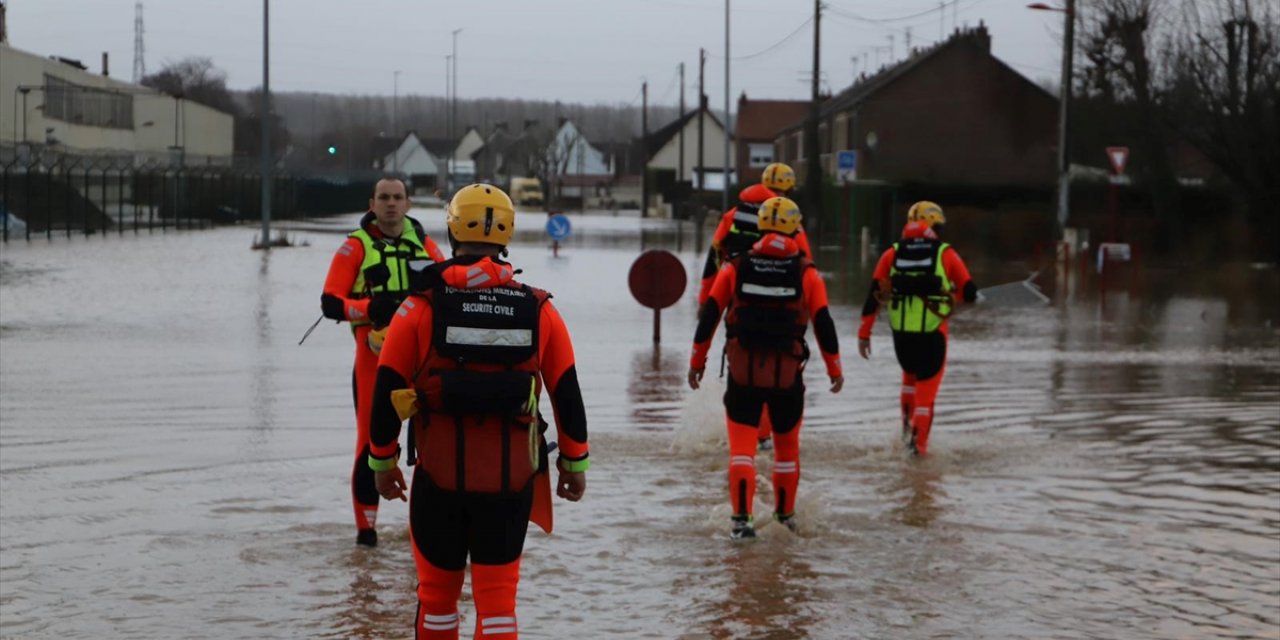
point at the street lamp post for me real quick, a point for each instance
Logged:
(1064, 107)
(177, 156)
(24, 91)
(448, 118)
(453, 106)
(395, 119)
(264, 114)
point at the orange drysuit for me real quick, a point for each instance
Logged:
(477, 349)
(346, 299)
(770, 294)
(923, 354)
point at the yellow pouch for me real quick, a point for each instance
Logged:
(406, 403)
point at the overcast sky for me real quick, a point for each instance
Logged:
(590, 51)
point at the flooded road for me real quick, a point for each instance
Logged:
(173, 464)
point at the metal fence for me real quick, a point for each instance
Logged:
(68, 195)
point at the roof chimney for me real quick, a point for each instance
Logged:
(104, 64)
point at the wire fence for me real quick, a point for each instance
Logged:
(70, 196)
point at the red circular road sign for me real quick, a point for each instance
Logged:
(657, 279)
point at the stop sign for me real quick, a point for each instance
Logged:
(657, 279)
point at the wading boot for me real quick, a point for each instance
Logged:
(788, 521)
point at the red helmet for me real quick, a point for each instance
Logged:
(918, 229)
(756, 194)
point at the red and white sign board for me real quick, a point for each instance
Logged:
(1118, 157)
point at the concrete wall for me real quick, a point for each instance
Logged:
(205, 135)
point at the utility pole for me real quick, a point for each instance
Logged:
(644, 145)
(724, 194)
(680, 177)
(1064, 120)
(264, 113)
(813, 168)
(702, 110)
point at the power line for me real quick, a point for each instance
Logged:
(670, 85)
(770, 47)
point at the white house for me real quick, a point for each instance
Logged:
(663, 148)
(468, 145)
(412, 158)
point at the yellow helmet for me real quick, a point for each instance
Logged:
(481, 213)
(779, 177)
(927, 212)
(779, 215)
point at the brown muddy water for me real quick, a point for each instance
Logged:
(174, 465)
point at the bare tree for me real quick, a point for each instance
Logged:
(194, 79)
(1225, 97)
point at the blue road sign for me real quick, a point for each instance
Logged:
(847, 165)
(558, 227)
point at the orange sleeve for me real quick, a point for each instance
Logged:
(957, 271)
(872, 307)
(709, 317)
(824, 328)
(432, 248)
(408, 337)
(713, 256)
(343, 270)
(560, 379)
(802, 240)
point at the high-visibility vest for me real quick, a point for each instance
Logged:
(479, 388)
(400, 256)
(921, 291)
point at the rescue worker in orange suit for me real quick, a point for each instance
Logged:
(770, 295)
(921, 279)
(368, 278)
(738, 231)
(473, 352)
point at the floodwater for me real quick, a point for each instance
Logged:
(173, 464)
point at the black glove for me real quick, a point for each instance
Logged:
(331, 307)
(381, 308)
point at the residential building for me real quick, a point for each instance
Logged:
(952, 114)
(412, 159)
(662, 149)
(755, 128)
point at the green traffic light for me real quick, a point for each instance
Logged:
(333, 151)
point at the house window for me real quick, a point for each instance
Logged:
(761, 154)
